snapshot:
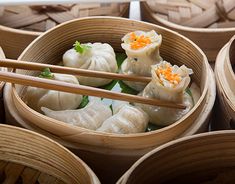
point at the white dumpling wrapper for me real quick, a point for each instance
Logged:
(164, 116)
(128, 119)
(138, 62)
(100, 57)
(56, 100)
(91, 117)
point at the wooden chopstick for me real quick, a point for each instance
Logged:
(80, 89)
(16, 64)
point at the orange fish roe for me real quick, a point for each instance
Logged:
(173, 78)
(138, 42)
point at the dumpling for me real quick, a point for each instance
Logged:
(168, 84)
(91, 56)
(142, 49)
(91, 117)
(56, 100)
(128, 119)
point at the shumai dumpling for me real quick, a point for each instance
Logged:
(142, 49)
(168, 84)
(91, 56)
(56, 100)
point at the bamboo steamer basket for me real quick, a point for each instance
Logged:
(225, 80)
(28, 157)
(206, 158)
(14, 40)
(210, 40)
(2, 114)
(119, 149)
(200, 125)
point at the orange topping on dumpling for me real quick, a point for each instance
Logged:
(167, 74)
(138, 42)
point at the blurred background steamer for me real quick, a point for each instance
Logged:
(19, 25)
(111, 154)
(210, 24)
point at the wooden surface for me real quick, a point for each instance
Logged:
(206, 158)
(121, 150)
(32, 158)
(209, 40)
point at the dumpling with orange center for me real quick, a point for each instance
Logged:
(142, 49)
(169, 84)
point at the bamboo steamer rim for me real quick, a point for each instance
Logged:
(185, 28)
(225, 76)
(174, 143)
(2, 56)
(37, 33)
(24, 135)
(108, 135)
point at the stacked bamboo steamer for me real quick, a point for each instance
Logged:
(28, 157)
(19, 25)
(110, 154)
(225, 79)
(206, 158)
(2, 56)
(210, 24)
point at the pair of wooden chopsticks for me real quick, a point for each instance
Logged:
(73, 88)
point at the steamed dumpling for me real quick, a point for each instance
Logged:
(97, 56)
(56, 100)
(91, 117)
(128, 119)
(142, 49)
(168, 84)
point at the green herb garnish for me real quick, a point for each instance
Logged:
(84, 102)
(81, 48)
(120, 57)
(127, 89)
(46, 73)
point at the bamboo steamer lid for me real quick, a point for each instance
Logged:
(123, 147)
(190, 19)
(15, 35)
(204, 158)
(225, 80)
(32, 158)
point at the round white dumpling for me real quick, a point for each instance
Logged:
(97, 56)
(56, 100)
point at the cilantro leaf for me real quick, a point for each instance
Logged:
(81, 48)
(46, 73)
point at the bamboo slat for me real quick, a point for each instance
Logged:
(201, 21)
(206, 158)
(120, 151)
(31, 21)
(225, 80)
(30, 158)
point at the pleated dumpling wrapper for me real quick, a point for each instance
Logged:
(56, 100)
(168, 83)
(91, 116)
(127, 119)
(91, 56)
(142, 49)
